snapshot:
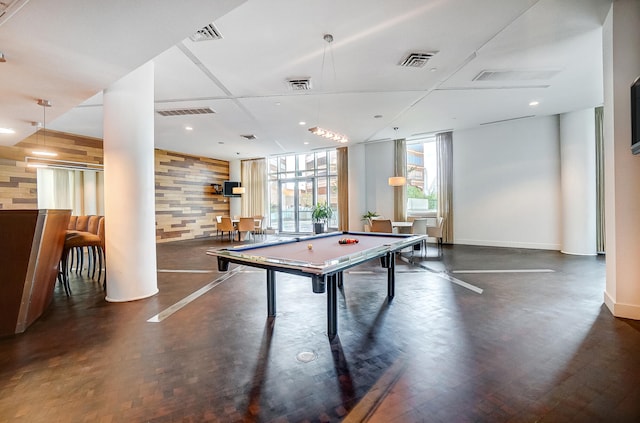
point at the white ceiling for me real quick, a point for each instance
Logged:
(68, 51)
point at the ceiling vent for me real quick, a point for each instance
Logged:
(516, 75)
(299, 84)
(207, 33)
(508, 120)
(184, 112)
(249, 136)
(416, 59)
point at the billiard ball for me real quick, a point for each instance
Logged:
(310, 246)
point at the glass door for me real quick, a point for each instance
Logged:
(296, 204)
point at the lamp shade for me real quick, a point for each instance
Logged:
(397, 181)
(238, 190)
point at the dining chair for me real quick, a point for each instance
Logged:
(419, 227)
(95, 242)
(218, 221)
(257, 225)
(226, 225)
(246, 224)
(436, 232)
(381, 225)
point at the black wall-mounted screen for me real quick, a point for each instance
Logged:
(227, 190)
(635, 117)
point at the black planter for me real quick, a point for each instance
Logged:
(318, 228)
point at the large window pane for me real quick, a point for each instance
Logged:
(422, 171)
(296, 183)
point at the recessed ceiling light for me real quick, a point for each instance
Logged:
(7, 131)
(302, 123)
(306, 143)
(188, 128)
(378, 116)
(534, 103)
(277, 103)
(220, 142)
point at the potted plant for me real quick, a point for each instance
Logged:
(320, 215)
(366, 218)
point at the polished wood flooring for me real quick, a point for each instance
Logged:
(473, 335)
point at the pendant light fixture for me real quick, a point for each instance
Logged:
(44, 152)
(316, 130)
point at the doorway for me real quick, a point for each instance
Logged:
(297, 198)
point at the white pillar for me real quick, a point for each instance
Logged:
(235, 175)
(130, 187)
(621, 32)
(578, 182)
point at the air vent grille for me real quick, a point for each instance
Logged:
(183, 112)
(299, 84)
(416, 59)
(207, 33)
(516, 75)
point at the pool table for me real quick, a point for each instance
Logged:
(323, 258)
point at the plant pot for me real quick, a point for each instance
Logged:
(318, 228)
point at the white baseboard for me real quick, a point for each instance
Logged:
(511, 244)
(626, 311)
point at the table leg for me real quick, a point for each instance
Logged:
(271, 292)
(332, 306)
(391, 276)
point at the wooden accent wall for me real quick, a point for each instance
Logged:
(186, 206)
(18, 182)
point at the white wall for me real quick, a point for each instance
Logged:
(379, 167)
(621, 33)
(506, 184)
(357, 186)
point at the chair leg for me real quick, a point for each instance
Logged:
(64, 269)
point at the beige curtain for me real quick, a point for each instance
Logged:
(600, 230)
(444, 147)
(254, 180)
(400, 192)
(81, 191)
(343, 188)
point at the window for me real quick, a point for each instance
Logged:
(296, 183)
(422, 172)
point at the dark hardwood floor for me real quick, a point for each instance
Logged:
(475, 335)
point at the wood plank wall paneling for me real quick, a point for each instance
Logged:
(18, 188)
(186, 207)
(185, 204)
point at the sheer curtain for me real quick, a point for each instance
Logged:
(254, 180)
(444, 147)
(400, 169)
(81, 191)
(343, 188)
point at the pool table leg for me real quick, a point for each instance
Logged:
(391, 276)
(271, 293)
(332, 305)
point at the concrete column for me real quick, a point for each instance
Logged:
(130, 187)
(578, 182)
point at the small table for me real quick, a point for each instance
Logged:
(324, 262)
(235, 224)
(402, 227)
